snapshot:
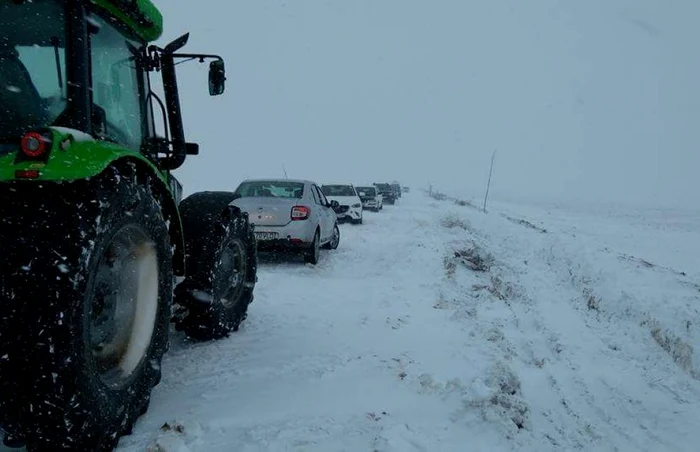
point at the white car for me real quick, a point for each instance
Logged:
(349, 203)
(371, 198)
(289, 215)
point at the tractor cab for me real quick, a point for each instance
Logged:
(85, 66)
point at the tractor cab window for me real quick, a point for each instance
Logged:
(116, 91)
(32, 66)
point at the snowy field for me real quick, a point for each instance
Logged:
(435, 327)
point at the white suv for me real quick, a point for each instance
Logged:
(371, 198)
(350, 204)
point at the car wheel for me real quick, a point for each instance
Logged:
(312, 255)
(335, 239)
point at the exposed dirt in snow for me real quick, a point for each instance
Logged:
(437, 327)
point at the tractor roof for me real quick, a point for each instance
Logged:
(141, 16)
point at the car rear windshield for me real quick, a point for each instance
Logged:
(271, 189)
(366, 191)
(338, 190)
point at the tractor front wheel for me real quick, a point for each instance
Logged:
(220, 265)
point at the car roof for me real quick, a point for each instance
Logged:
(341, 184)
(280, 179)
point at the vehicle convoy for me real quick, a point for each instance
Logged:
(93, 228)
(371, 198)
(350, 204)
(289, 215)
(387, 192)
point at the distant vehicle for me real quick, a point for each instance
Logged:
(371, 198)
(406, 189)
(289, 215)
(388, 194)
(397, 189)
(350, 204)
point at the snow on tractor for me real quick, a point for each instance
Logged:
(99, 254)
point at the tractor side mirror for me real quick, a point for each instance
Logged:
(217, 77)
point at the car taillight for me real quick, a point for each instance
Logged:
(35, 144)
(300, 213)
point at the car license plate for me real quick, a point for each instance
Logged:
(266, 235)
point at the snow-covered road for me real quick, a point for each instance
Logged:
(436, 327)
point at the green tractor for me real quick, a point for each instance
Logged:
(99, 253)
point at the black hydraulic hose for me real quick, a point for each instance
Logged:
(172, 101)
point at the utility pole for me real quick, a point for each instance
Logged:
(488, 184)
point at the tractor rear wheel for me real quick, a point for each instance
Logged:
(220, 266)
(87, 294)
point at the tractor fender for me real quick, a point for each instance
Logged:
(75, 155)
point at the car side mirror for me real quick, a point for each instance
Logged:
(217, 77)
(335, 204)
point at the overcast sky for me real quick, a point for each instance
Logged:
(595, 100)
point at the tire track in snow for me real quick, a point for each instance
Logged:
(502, 322)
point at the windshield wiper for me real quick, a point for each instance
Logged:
(55, 42)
